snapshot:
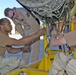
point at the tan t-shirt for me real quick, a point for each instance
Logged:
(70, 38)
(3, 42)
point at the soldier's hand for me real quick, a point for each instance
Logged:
(42, 31)
(26, 49)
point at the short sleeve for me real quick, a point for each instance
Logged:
(4, 39)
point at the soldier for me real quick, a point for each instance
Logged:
(6, 43)
(63, 62)
(26, 25)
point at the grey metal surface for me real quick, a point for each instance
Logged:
(48, 8)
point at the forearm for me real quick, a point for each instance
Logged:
(27, 40)
(22, 41)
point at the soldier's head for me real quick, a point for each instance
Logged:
(8, 12)
(5, 25)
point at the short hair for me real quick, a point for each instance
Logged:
(6, 11)
(2, 21)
